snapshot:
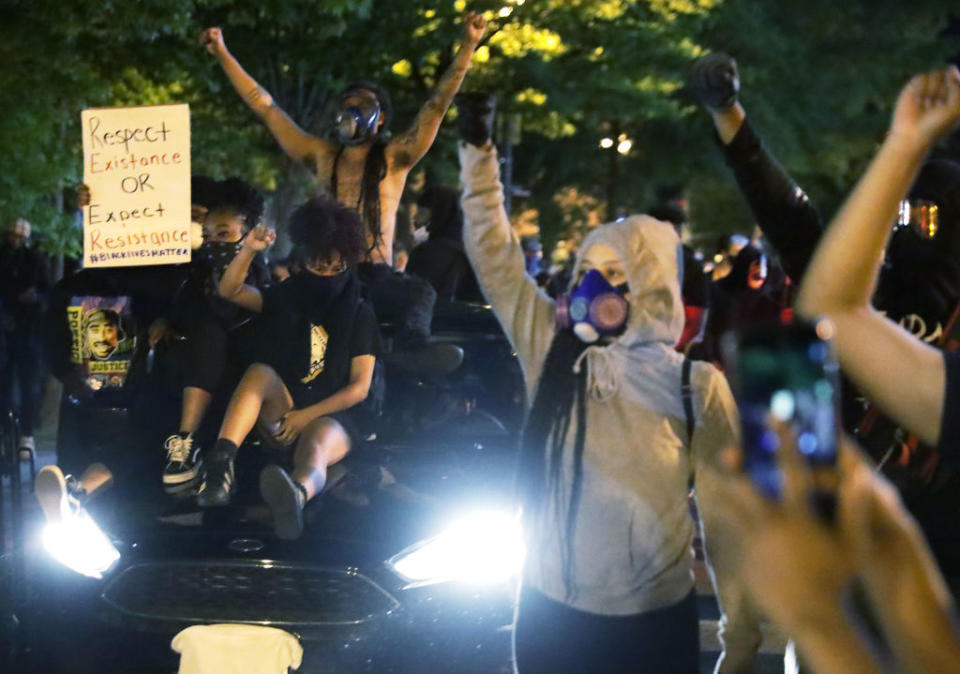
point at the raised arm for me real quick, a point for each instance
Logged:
(904, 376)
(297, 143)
(232, 286)
(409, 147)
(788, 219)
(525, 312)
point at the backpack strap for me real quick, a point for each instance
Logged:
(686, 394)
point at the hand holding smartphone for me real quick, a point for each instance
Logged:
(785, 374)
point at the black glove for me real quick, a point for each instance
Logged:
(714, 81)
(475, 112)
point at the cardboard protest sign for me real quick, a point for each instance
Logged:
(136, 162)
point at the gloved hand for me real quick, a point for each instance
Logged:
(714, 81)
(476, 111)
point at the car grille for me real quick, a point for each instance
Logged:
(247, 592)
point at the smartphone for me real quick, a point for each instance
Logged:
(787, 373)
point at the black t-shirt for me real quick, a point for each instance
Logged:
(313, 358)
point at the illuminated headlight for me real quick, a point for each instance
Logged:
(483, 548)
(79, 544)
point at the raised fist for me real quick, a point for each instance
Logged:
(473, 27)
(714, 81)
(212, 39)
(259, 238)
(475, 112)
(929, 106)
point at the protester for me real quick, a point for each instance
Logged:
(612, 439)
(915, 383)
(918, 286)
(441, 259)
(91, 332)
(365, 171)
(303, 396)
(24, 282)
(220, 339)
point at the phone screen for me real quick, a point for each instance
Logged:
(785, 373)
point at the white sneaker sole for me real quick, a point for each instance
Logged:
(51, 490)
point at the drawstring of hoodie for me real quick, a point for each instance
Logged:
(603, 379)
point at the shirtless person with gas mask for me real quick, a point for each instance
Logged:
(360, 159)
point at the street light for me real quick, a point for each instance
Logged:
(606, 143)
(624, 146)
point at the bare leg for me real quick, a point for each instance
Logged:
(195, 404)
(260, 394)
(323, 443)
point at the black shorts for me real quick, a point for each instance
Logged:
(345, 418)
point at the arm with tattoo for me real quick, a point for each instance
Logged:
(409, 147)
(296, 142)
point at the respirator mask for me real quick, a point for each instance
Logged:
(357, 117)
(594, 308)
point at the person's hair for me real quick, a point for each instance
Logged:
(321, 226)
(374, 171)
(202, 190)
(240, 197)
(560, 391)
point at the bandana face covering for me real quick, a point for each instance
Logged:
(594, 309)
(357, 117)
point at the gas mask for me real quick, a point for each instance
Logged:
(357, 117)
(594, 308)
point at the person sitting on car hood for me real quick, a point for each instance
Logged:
(316, 364)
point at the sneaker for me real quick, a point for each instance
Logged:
(431, 359)
(61, 497)
(286, 500)
(219, 484)
(184, 464)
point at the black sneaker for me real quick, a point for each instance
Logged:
(218, 485)
(184, 464)
(431, 359)
(286, 500)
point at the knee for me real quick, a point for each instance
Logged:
(325, 439)
(258, 375)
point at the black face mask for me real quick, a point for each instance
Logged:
(316, 287)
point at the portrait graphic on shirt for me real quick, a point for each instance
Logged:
(103, 339)
(318, 351)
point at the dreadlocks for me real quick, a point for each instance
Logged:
(368, 205)
(559, 391)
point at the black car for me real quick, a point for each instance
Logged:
(408, 561)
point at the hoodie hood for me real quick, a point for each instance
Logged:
(650, 253)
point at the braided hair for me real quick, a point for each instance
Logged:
(561, 393)
(368, 205)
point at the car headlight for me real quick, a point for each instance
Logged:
(483, 547)
(79, 544)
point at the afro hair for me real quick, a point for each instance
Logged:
(240, 197)
(321, 226)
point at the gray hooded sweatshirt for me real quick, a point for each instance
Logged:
(633, 531)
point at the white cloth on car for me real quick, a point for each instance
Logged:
(236, 649)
